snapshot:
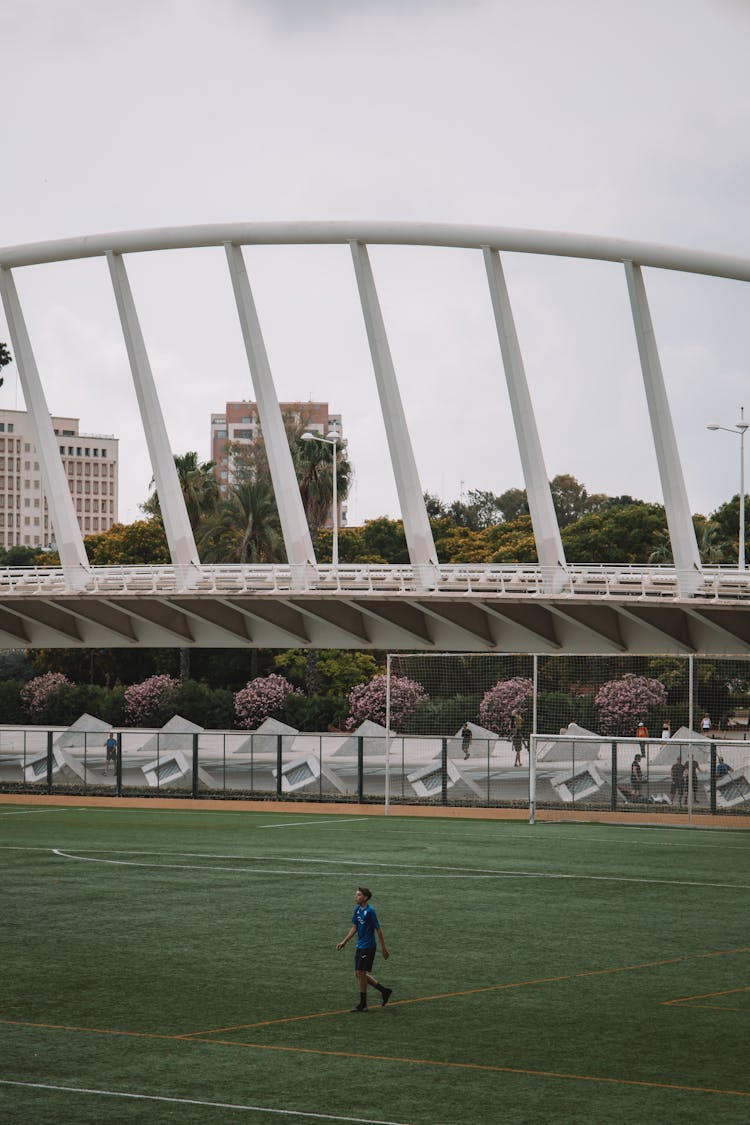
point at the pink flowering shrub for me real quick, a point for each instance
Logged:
(368, 701)
(262, 698)
(38, 693)
(499, 703)
(623, 703)
(146, 702)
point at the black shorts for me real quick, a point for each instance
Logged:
(363, 959)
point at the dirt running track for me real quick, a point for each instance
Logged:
(661, 820)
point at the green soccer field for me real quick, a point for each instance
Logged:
(180, 966)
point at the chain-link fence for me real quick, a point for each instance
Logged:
(620, 733)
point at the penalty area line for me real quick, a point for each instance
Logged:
(195, 1101)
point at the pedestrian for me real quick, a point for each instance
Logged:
(636, 777)
(666, 729)
(706, 724)
(111, 747)
(517, 742)
(696, 770)
(722, 768)
(676, 774)
(365, 925)
(641, 730)
(466, 740)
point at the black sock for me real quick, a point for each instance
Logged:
(381, 988)
(363, 999)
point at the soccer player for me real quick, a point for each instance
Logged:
(365, 925)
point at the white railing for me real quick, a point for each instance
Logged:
(578, 582)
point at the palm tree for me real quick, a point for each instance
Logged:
(244, 528)
(200, 489)
(662, 552)
(313, 463)
(710, 549)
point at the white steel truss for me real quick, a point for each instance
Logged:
(684, 608)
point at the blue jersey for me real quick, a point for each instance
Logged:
(366, 921)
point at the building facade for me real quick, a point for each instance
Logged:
(240, 424)
(91, 467)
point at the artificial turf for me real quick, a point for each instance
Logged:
(190, 956)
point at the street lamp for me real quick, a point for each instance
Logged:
(331, 438)
(740, 429)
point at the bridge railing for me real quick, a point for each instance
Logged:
(591, 580)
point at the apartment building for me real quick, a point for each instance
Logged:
(90, 463)
(240, 424)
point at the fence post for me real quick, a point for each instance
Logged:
(613, 794)
(712, 780)
(279, 763)
(360, 768)
(444, 771)
(194, 793)
(49, 761)
(118, 765)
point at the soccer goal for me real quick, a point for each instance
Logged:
(591, 732)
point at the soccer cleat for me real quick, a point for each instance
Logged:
(386, 995)
(359, 1008)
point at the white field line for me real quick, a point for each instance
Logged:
(26, 812)
(414, 872)
(195, 1101)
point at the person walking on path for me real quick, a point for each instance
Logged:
(365, 925)
(466, 740)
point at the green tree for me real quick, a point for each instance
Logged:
(727, 520)
(313, 464)
(5, 358)
(244, 528)
(513, 503)
(200, 489)
(628, 534)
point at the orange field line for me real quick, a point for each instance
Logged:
(707, 995)
(89, 1030)
(488, 1068)
(472, 991)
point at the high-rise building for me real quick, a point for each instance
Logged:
(90, 463)
(240, 425)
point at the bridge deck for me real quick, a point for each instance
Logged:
(584, 609)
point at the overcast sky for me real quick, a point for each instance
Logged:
(626, 118)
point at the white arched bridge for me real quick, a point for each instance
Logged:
(553, 607)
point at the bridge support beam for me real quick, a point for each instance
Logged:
(679, 520)
(299, 548)
(59, 500)
(543, 519)
(177, 527)
(417, 528)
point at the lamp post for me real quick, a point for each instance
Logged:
(740, 429)
(331, 438)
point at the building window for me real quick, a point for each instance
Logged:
(88, 451)
(10, 429)
(104, 453)
(78, 451)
